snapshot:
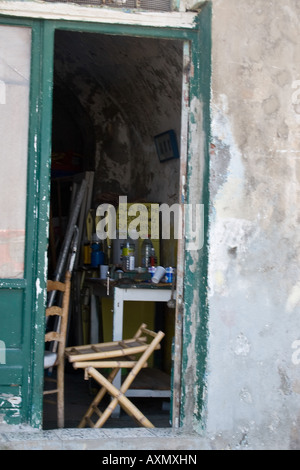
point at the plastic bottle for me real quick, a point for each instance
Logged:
(153, 259)
(97, 255)
(128, 256)
(147, 252)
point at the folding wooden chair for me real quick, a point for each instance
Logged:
(57, 358)
(115, 355)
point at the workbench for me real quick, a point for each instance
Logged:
(121, 293)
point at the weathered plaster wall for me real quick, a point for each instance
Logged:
(253, 381)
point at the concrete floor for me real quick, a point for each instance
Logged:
(20, 438)
(118, 434)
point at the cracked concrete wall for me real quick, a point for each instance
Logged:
(253, 379)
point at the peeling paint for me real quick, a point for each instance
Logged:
(230, 194)
(14, 401)
(293, 298)
(246, 396)
(2, 352)
(39, 290)
(195, 333)
(242, 346)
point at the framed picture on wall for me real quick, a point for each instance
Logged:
(166, 146)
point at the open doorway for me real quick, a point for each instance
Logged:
(112, 96)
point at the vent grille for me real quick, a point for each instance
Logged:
(157, 5)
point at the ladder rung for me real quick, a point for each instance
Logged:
(50, 402)
(48, 392)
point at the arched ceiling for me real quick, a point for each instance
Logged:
(142, 76)
(129, 90)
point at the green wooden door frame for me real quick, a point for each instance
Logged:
(25, 363)
(192, 315)
(196, 311)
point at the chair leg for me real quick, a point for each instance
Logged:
(94, 405)
(119, 398)
(60, 395)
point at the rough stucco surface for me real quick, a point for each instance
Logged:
(253, 385)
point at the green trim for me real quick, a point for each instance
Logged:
(12, 284)
(38, 199)
(195, 328)
(127, 30)
(38, 177)
(33, 216)
(21, 356)
(200, 39)
(43, 160)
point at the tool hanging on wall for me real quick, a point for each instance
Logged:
(89, 225)
(88, 238)
(77, 229)
(68, 238)
(70, 251)
(85, 208)
(78, 278)
(74, 249)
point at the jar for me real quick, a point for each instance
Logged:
(128, 258)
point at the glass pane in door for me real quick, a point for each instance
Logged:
(15, 54)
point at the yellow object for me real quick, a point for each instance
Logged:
(135, 313)
(89, 225)
(135, 216)
(87, 254)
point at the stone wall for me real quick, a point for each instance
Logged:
(253, 381)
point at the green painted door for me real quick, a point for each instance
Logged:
(23, 224)
(26, 68)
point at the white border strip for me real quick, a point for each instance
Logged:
(97, 14)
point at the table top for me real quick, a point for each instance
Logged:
(129, 284)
